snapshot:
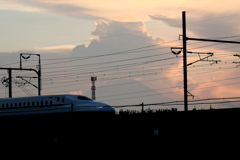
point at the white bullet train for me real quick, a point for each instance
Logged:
(51, 104)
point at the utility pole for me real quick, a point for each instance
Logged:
(93, 79)
(184, 37)
(10, 82)
(23, 55)
(142, 107)
(10, 76)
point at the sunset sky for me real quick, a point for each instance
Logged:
(126, 44)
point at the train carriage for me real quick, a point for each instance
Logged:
(51, 104)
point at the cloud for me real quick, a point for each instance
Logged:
(169, 21)
(124, 10)
(208, 25)
(79, 91)
(76, 92)
(79, 9)
(61, 48)
(109, 38)
(66, 9)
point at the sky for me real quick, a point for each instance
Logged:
(126, 45)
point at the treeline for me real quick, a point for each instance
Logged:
(154, 111)
(146, 111)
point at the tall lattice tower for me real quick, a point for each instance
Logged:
(93, 79)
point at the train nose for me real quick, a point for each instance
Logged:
(111, 109)
(106, 107)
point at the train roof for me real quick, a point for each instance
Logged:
(43, 96)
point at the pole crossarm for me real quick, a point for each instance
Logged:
(212, 40)
(199, 52)
(29, 54)
(10, 76)
(25, 69)
(27, 81)
(190, 94)
(201, 59)
(236, 55)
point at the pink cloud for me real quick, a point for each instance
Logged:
(79, 91)
(76, 92)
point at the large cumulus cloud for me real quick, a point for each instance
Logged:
(116, 36)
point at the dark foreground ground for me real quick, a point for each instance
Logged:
(214, 130)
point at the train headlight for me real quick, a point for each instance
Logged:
(99, 107)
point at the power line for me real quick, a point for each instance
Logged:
(28, 92)
(140, 74)
(123, 34)
(173, 103)
(124, 66)
(9, 64)
(131, 76)
(139, 70)
(127, 74)
(135, 50)
(172, 92)
(106, 63)
(213, 18)
(200, 103)
(164, 88)
(167, 92)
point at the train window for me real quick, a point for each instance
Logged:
(28, 103)
(83, 98)
(57, 98)
(15, 105)
(37, 103)
(62, 99)
(51, 102)
(11, 105)
(20, 104)
(7, 105)
(50, 97)
(33, 103)
(41, 102)
(46, 102)
(24, 104)
(2, 105)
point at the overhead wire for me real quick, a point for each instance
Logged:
(106, 86)
(140, 70)
(165, 87)
(106, 100)
(28, 92)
